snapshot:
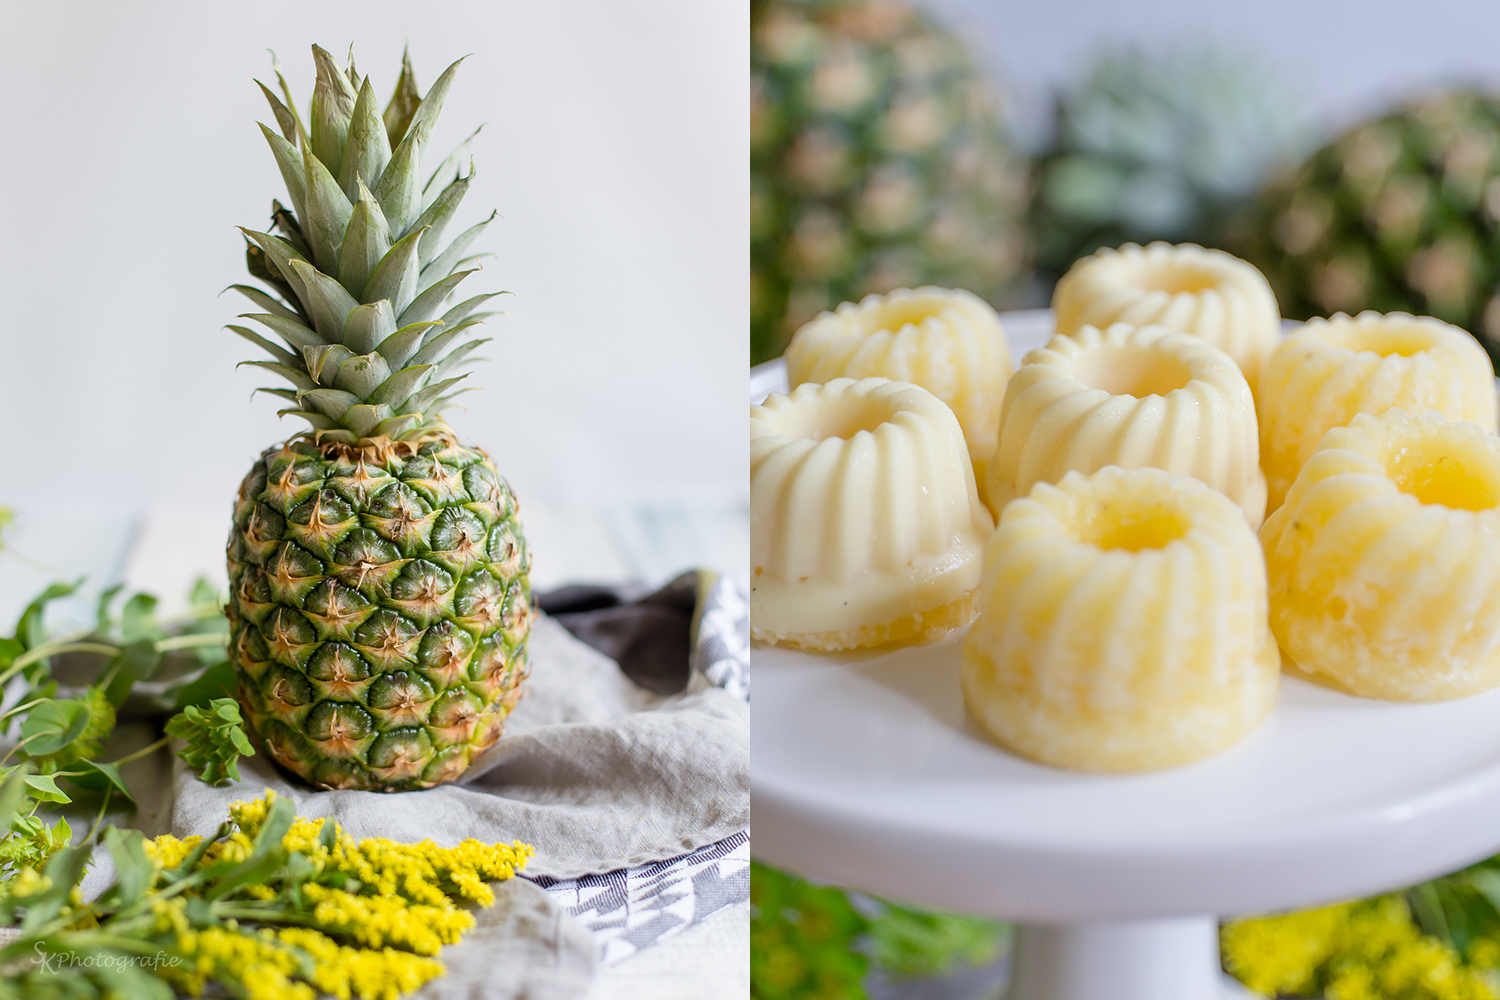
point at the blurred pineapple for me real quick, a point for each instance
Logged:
(1401, 213)
(878, 161)
(1160, 146)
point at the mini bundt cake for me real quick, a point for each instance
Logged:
(1122, 624)
(1207, 293)
(1130, 397)
(865, 524)
(1330, 369)
(1384, 562)
(947, 341)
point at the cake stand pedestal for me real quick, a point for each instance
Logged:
(868, 773)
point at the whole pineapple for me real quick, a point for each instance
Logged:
(877, 162)
(1399, 213)
(1160, 146)
(379, 602)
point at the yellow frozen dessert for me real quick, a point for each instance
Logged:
(865, 525)
(1330, 369)
(1384, 561)
(1134, 398)
(947, 341)
(1207, 293)
(1122, 625)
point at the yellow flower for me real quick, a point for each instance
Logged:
(167, 851)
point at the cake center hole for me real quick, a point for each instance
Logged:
(1175, 280)
(1445, 475)
(1134, 528)
(1132, 371)
(1391, 343)
(842, 417)
(894, 315)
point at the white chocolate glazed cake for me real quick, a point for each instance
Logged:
(948, 341)
(1210, 294)
(1130, 397)
(865, 523)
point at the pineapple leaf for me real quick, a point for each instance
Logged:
(447, 171)
(327, 215)
(398, 348)
(291, 229)
(292, 375)
(267, 302)
(426, 115)
(422, 400)
(326, 299)
(361, 374)
(368, 325)
(318, 421)
(284, 117)
(456, 358)
(338, 434)
(333, 402)
(366, 241)
(296, 333)
(398, 189)
(440, 212)
(363, 419)
(289, 162)
(403, 104)
(280, 254)
(395, 277)
(290, 103)
(332, 107)
(368, 149)
(323, 362)
(432, 350)
(467, 306)
(442, 266)
(276, 351)
(290, 395)
(395, 425)
(431, 299)
(400, 385)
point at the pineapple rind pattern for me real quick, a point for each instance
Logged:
(379, 630)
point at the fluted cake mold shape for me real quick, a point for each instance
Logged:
(1328, 370)
(1122, 625)
(1210, 294)
(1132, 397)
(1384, 562)
(865, 522)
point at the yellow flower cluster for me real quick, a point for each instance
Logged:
(167, 851)
(1367, 950)
(256, 959)
(29, 882)
(357, 972)
(376, 921)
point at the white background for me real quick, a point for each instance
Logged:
(614, 152)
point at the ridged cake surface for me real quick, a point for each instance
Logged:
(1384, 561)
(1130, 397)
(948, 341)
(1328, 370)
(1122, 625)
(1207, 293)
(865, 524)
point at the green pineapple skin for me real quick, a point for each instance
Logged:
(1399, 213)
(379, 610)
(878, 161)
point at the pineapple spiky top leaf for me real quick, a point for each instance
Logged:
(357, 271)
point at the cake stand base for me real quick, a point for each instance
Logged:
(1172, 959)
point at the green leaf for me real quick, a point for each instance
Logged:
(333, 402)
(276, 351)
(323, 361)
(399, 191)
(426, 116)
(448, 170)
(437, 216)
(280, 254)
(361, 373)
(30, 630)
(369, 325)
(299, 379)
(366, 240)
(332, 106)
(368, 149)
(266, 302)
(400, 385)
(326, 300)
(218, 681)
(446, 261)
(404, 102)
(138, 618)
(289, 162)
(215, 739)
(97, 777)
(297, 334)
(284, 117)
(422, 400)
(52, 725)
(395, 277)
(426, 305)
(12, 793)
(44, 787)
(65, 869)
(102, 614)
(467, 306)
(327, 215)
(133, 870)
(398, 348)
(137, 662)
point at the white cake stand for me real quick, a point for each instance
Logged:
(867, 773)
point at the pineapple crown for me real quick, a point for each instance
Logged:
(357, 263)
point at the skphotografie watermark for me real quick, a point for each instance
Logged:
(56, 962)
